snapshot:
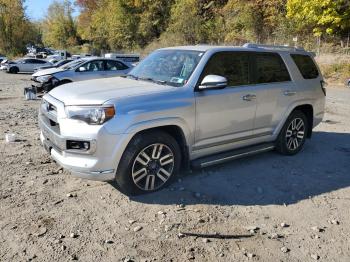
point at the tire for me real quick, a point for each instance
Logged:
(293, 134)
(64, 82)
(140, 173)
(14, 70)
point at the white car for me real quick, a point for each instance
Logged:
(25, 65)
(2, 58)
(3, 64)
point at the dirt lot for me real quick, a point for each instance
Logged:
(266, 208)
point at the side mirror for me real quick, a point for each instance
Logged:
(213, 82)
(82, 69)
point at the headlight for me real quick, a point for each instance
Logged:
(93, 115)
(44, 79)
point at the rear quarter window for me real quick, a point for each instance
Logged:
(306, 66)
(269, 68)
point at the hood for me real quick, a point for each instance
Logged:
(49, 71)
(98, 91)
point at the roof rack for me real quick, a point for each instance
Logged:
(281, 47)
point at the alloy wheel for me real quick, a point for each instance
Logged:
(295, 134)
(153, 167)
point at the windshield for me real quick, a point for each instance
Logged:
(173, 67)
(72, 65)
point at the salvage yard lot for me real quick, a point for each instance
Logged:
(263, 208)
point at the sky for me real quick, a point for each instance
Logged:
(36, 9)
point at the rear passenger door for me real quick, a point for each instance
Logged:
(225, 116)
(274, 91)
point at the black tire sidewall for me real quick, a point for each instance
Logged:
(281, 145)
(14, 70)
(123, 177)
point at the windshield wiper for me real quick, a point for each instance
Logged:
(132, 76)
(161, 82)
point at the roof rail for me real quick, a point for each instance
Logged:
(281, 47)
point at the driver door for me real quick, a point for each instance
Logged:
(225, 116)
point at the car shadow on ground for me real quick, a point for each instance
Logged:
(266, 179)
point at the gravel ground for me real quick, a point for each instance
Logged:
(263, 208)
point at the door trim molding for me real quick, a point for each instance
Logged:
(230, 141)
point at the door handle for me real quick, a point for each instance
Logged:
(249, 97)
(289, 93)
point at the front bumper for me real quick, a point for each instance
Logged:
(71, 163)
(100, 164)
(43, 87)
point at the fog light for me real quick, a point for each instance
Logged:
(86, 145)
(78, 145)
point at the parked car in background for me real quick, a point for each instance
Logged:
(82, 56)
(58, 55)
(55, 65)
(3, 63)
(184, 106)
(25, 65)
(2, 58)
(130, 59)
(78, 70)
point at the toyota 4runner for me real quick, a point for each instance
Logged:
(182, 107)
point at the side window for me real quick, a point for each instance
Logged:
(40, 62)
(93, 66)
(270, 68)
(114, 65)
(306, 66)
(232, 65)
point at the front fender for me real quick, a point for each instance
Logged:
(161, 122)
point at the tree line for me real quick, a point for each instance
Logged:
(111, 25)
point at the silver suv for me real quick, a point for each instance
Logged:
(182, 107)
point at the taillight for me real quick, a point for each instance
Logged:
(323, 86)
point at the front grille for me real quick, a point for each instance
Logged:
(49, 116)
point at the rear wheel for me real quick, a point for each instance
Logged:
(293, 134)
(149, 163)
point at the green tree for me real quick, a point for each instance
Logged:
(195, 21)
(321, 17)
(253, 20)
(15, 28)
(59, 28)
(153, 19)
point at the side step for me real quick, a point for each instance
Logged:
(231, 155)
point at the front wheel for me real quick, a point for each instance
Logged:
(293, 134)
(14, 70)
(149, 163)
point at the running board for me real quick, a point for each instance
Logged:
(231, 155)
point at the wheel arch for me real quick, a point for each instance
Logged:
(178, 133)
(65, 81)
(306, 107)
(308, 111)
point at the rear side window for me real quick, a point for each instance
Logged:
(115, 65)
(269, 68)
(306, 66)
(232, 65)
